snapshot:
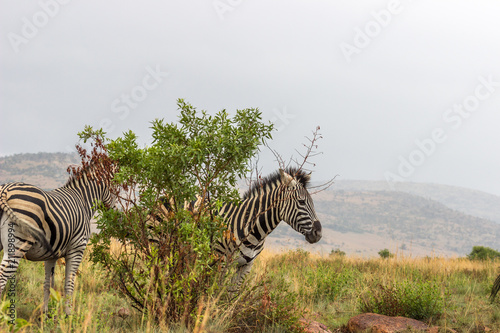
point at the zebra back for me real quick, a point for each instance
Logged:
(24, 226)
(59, 219)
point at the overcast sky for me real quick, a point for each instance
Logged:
(402, 90)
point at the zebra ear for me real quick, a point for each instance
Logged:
(287, 179)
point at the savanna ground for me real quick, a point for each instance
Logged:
(283, 288)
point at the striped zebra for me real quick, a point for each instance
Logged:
(495, 289)
(282, 196)
(47, 225)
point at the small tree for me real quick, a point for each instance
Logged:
(163, 261)
(483, 253)
(337, 252)
(385, 253)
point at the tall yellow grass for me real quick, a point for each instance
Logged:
(99, 308)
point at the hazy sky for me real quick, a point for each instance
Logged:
(402, 90)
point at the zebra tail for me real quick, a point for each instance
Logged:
(24, 226)
(495, 289)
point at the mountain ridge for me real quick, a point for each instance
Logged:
(469, 201)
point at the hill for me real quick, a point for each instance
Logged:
(360, 217)
(470, 202)
(46, 170)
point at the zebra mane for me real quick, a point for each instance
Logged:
(76, 172)
(74, 175)
(275, 179)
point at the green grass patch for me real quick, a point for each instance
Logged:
(411, 299)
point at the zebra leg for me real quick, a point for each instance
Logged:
(73, 260)
(242, 271)
(49, 283)
(11, 260)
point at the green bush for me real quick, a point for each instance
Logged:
(385, 253)
(323, 282)
(483, 253)
(417, 300)
(337, 252)
(269, 306)
(164, 263)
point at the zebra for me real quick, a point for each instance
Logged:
(282, 196)
(495, 289)
(47, 225)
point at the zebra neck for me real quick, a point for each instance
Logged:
(90, 190)
(262, 215)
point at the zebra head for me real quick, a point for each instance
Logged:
(297, 207)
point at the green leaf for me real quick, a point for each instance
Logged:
(55, 295)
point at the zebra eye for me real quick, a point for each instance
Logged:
(302, 201)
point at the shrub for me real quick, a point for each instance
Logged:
(268, 306)
(337, 252)
(417, 300)
(385, 253)
(483, 253)
(164, 263)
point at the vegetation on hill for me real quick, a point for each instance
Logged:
(46, 170)
(468, 201)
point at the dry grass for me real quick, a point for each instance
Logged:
(465, 285)
(325, 289)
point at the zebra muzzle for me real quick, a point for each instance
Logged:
(315, 235)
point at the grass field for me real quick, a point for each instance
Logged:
(283, 288)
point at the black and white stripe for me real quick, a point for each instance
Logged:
(282, 196)
(495, 289)
(47, 225)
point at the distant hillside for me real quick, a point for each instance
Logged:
(360, 217)
(471, 202)
(46, 170)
